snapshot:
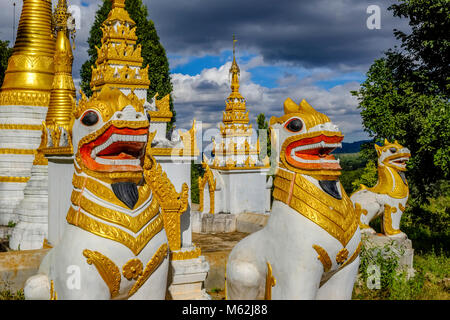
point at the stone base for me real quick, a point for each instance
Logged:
(227, 223)
(186, 278)
(401, 246)
(251, 222)
(213, 223)
(17, 266)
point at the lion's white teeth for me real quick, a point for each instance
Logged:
(115, 138)
(131, 162)
(321, 144)
(315, 161)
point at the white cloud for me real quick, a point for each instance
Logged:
(203, 96)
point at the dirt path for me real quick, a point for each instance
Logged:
(216, 248)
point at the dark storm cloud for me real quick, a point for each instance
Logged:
(207, 86)
(302, 32)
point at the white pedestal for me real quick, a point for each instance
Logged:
(186, 278)
(32, 229)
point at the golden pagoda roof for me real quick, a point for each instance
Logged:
(119, 14)
(29, 76)
(119, 49)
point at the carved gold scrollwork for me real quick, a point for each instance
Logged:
(109, 272)
(387, 220)
(132, 223)
(132, 269)
(186, 255)
(342, 256)
(208, 177)
(151, 266)
(270, 283)
(106, 193)
(173, 204)
(77, 218)
(337, 217)
(353, 257)
(323, 257)
(53, 294)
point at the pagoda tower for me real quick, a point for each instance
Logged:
(235, 177)
(33, 211)
(24, 100)
(119, 61)
(235, 149)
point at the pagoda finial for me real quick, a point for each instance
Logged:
(118, 3)
(61, 15)
(234, 70)
(234, 47)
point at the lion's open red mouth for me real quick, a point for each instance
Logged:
(399, 160)
(313, 153)
(117, 149)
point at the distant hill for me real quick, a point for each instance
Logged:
(350, 147)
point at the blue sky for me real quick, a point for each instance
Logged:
(315, 50)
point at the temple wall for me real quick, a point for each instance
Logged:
(60, 173)
(244, 191)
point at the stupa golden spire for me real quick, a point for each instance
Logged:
(235, 147)
(235, 111)
(62, 98)
(29, 76)
(235, 116)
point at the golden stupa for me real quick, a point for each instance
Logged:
(29, 76)
(24, 101)
(59, 118)
(235, 149)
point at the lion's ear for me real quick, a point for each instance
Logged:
(290, 106)
(378, 149)
(386, 142)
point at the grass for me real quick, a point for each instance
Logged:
(430, 282)
(8, 295)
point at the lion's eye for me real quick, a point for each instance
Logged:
(294, 125)
(90, 118)
(393, 150)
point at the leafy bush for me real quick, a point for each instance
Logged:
(430, 280)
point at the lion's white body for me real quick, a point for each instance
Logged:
(375, 203)
(300, 250)
(67, 267)
(389, 197)
(287, 243)
(74, 279)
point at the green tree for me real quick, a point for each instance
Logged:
(5, 53)
(153, 52)
(264, 125)
(405, 96)
(368, 176)
(196, 172)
